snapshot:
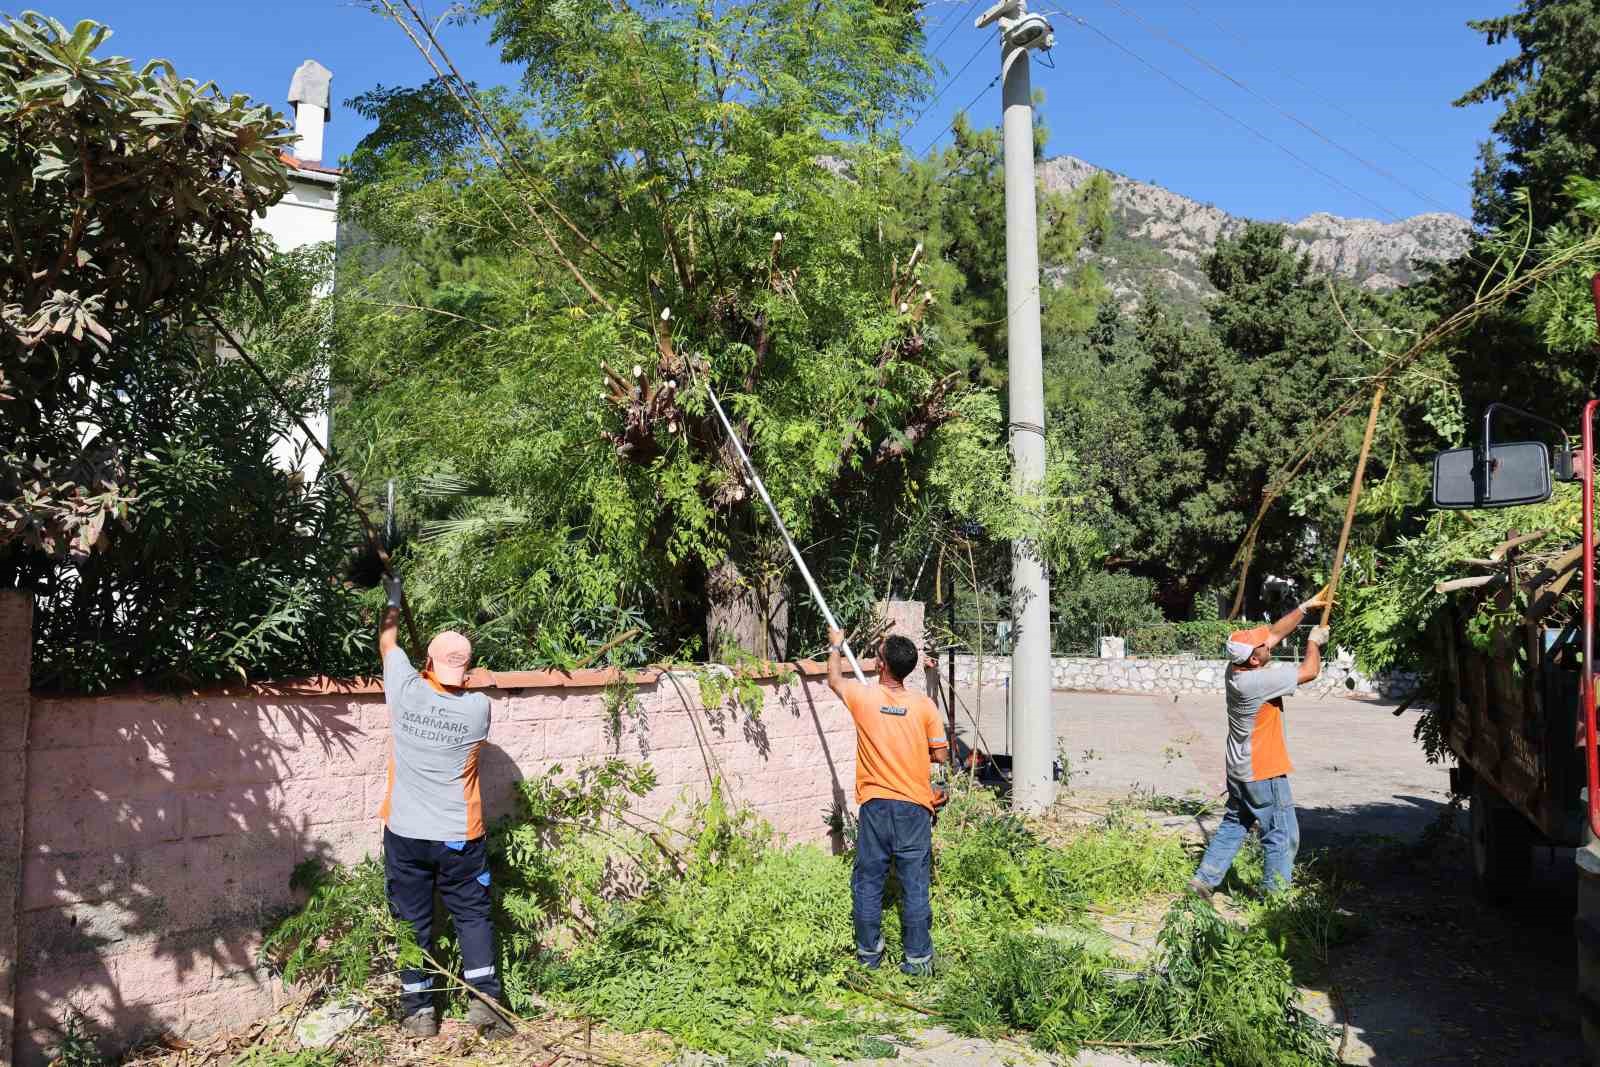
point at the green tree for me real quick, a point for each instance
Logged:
(955, 203)
(130, 197)
(695, 195)
(1549, 129)
(1546, 137)
(1185, 426)
(139, 499)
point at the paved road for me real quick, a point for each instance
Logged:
(1357, 769)
(1434, 977)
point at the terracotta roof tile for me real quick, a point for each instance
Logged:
(313, 165)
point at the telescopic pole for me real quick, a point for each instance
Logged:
(805, 572)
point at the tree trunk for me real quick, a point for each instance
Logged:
(747, 608)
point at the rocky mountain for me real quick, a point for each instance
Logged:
(1162, 238)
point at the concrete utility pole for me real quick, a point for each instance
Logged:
(1033, 784)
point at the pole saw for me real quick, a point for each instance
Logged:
(783, 531)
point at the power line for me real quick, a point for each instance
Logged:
(1346, 112)
(1230, 116)
(953, 79)
(1157, 31)
(952, 124)
(936, 49)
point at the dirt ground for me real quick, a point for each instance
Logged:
(1430, 976)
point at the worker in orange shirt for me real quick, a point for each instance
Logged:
(1257, 756)
(899, 736)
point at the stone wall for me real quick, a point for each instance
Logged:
(161, 831)
(1174, 674)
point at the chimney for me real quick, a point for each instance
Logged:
(308, 92)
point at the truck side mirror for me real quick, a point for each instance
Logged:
(1517, 472)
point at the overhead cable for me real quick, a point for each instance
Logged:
(1231, 117)
(952, 80)
(1158, 32)
(954, 26)
(1332, 103)
(951, 125)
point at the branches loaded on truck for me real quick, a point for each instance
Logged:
(1513, 666)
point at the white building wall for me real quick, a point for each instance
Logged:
(307, 215)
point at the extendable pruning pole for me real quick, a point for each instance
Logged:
(1350, 504)
(805, 572)
(1586, 684)
(367, 528)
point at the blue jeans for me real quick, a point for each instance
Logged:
(459, 870)
(900, 831)
(1269, 805)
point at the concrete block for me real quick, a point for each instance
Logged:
(87, 823)
(533, 705)
(374, 717)
(140, 821)
(125, 720)
(222, 763)
(571, 739)
(151, 976)
(367, 754)
(231, 810)
(80, 934)
(61, 724)
(373, 789)
(236, 959)
(16, 641)
(347, 842)
(245, 876)
(64, 775)
(63, 828)
(59, 879)
(522, 742)
(218, 1012)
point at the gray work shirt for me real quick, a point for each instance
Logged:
(433, 789)
(1256, 747)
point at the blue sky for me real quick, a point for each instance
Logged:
(1374, 78)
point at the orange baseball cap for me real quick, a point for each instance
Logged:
(448, 654)
(1243, 642)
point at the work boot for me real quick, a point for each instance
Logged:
(421, 1023)
(1198, 888)
(490, 1024)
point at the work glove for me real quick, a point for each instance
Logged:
(1319, 636)
(1319, 599)
(393, 586)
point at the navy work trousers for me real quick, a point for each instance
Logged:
(902, 832)
(459, 870)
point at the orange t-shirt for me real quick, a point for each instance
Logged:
(1255, 748)
(895, 728)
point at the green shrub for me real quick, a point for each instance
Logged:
(730, 943)
(1214, 993)
(1099, 603)
(1204, 639)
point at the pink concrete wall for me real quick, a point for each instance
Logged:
(16, 705)
(161, 832)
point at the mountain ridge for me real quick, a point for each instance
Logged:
(1162, 237)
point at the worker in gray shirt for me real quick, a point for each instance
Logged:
(1257, 754)
(434, 836)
